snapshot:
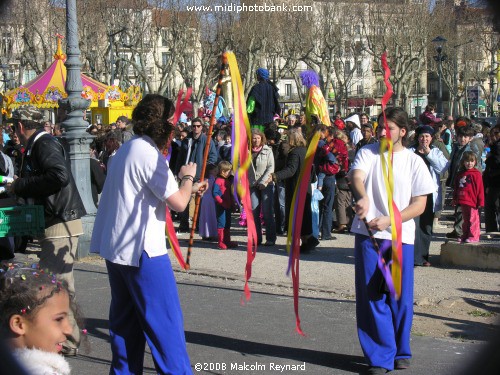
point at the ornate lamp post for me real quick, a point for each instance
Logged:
(492, 75)
(111, 54)
(75, 125)
(439, 42)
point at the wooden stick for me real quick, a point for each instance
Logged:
(213, 120)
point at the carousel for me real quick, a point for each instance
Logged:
(107, 103)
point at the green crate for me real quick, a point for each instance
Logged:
(22, 221)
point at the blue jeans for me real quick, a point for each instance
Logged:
(279, 207)
(326, 206)
(263, 199)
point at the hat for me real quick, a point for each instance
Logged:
(339, 124)
(263, 73)
(424, 129)
(28, 113)
(354, 119)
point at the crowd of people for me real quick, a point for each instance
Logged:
(150, 165)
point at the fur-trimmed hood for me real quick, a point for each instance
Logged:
(38, 362)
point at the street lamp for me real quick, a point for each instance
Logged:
(112, 56)
(492, 74)
(75, 125)
(439, 43)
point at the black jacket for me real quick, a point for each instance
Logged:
(46, 177)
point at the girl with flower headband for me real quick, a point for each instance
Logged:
(34, 308)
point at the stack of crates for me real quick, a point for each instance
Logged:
(22, 221)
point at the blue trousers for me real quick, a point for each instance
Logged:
(142, 311)
(223, 217)
(384, 324)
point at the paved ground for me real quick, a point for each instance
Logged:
(225, 337)
(228, 338)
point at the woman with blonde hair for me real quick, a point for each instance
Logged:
(290, 175)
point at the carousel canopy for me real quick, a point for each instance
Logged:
(45, 90)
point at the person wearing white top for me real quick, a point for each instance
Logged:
(384, 324)
(129, 232)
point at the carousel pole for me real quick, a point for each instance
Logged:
(213, 120)
(75, 126)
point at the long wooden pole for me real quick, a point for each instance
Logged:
(213, 121)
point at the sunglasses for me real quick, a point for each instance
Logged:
(197, 126)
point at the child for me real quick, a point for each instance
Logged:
(224, 204)
(34, 310)
(225, 149)
(469, 194)
(208, 218)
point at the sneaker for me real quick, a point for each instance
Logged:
(269, 243)
(402, 364)
(452, 235)
(374, 370)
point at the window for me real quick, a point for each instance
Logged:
(28, 75)
(7, 43)
(359, 69)
(165, 58)
(288, 90)
(346, 29)
(359, 89)
(380, 88)
(432, 88)
(347, 69)
(357, 29)
(358, 47)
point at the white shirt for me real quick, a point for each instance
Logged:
(131, 214)
(356, 136)
(411, 179)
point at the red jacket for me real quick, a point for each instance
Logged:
(469, 190)
(222, 192)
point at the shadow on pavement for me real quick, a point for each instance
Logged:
(466, 329)
(352, 363)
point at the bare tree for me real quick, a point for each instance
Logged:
(404, 31)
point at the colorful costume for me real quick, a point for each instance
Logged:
(262, 102)
(223, 206)
(208, 218)
(315, 102)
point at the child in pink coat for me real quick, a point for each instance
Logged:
(469, 194)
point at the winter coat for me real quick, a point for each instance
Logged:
(437, 163)
(262, 167)
(195, 155)
(46, 177)
(469, 190)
